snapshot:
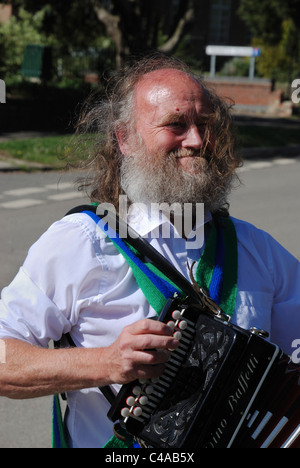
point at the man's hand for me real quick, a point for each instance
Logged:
(141, 351)
(27, 371)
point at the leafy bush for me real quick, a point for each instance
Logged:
(14, 37)
(280, 61)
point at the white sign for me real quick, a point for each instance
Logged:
(232, 51)
(2, 92)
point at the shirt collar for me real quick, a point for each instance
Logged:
(147, 219)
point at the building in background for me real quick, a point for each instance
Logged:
(5, 12)
(217, 23)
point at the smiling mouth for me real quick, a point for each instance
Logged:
(186, 154)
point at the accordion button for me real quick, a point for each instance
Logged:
(171, 324)
(125, 412)
(137, 411)
(130, 401)
(149, 389)
(176, 314)
(136, 390)
(177, 335)
(143, 400)
(182, 325)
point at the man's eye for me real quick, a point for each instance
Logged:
(177, 125)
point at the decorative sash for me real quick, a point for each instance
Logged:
(216, 272)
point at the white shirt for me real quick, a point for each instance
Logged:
(74, 280)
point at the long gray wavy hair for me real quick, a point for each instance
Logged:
(97, 151)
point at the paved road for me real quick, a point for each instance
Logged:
(269, 197)
(29, 203)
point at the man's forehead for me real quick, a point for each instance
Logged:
(166, 86)
(159, 84)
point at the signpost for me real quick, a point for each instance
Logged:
(232, 51)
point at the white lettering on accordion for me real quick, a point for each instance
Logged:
(233, 400)
(242, 384)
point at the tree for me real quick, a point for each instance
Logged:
(68, 25)
(15, 35)
(262, 19)
(275, 26)
(132, 26)
(137, 26)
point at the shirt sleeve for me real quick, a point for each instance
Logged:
(269, 280)
(43, 300)
(286, 302)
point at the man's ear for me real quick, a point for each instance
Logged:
(122, 138)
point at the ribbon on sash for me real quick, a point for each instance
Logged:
(215, 272)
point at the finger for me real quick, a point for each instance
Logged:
(149, 372)
(154, 342)
(148, 326)
(154, 356)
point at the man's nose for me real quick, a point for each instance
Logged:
(193, 138)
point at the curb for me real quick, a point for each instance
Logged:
(270, 152)
(11, 165)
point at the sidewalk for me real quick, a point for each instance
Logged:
(270, 152)
(11, 164)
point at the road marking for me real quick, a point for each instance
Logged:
(59, 186)
(284, 161)
(252, 165)
(64, 191)
(21, 192)
(24, 203)
(64, 196)
(259, 165)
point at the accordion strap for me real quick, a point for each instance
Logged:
(216, 272)
(218, 266)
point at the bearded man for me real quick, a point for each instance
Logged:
(162, 136)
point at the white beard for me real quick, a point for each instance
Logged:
(145, 179)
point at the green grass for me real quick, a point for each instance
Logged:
(46, 150)
(51, 150)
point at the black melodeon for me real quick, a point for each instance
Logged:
(224, 387)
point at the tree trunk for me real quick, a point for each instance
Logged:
(170, 45)
(134, 29)
(112, 25)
